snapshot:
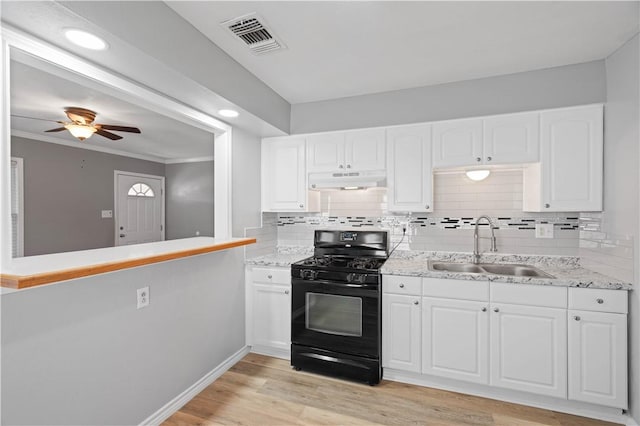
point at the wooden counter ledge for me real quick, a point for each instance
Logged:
(20, 281)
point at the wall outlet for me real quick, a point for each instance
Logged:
(143, 297)
(544, 230)
(107, 214)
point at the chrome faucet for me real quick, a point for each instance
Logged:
(476, 255)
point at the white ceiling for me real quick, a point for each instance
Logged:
(341, 49)
(41, 94)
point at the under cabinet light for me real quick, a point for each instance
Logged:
(477, 175)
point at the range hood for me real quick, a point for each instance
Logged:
(348, 180)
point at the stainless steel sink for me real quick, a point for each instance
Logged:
(490, 268)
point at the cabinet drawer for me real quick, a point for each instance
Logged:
(401, 285)
(533, 295)
(456, 289)
(273, 276)
(600, 300)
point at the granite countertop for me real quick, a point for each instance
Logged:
(283, 256)
(567, 271)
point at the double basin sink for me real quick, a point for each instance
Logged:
(489, 268)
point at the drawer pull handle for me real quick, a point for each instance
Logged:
(484, 309)
(401, 285)
(415, 302)
(496, 309)
(576, 317)
(600, 301)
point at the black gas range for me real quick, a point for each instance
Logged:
(336, 305)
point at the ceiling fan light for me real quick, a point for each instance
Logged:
(477, 175)
(85, 39)
(80, 131)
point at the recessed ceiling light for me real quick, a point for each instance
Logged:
(85, 39)
(228, 113)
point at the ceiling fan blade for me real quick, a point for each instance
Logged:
(119, 128)
(108, 135)
(59, 129)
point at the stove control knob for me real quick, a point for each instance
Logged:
(308, 274)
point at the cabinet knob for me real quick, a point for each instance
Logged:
(269, 276)
(341, 166)
(547, 205)
(401, 285)
(348, 166)
(478, 159)
(301, 205)
(496, 309)
(488, 158)
(415, 302)
(576, 317)
(484, 309)
(600, 301)
(122, 235)
(286, 292)
(427, 206)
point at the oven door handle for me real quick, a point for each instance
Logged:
(338, 285)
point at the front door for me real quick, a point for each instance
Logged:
(139, 208)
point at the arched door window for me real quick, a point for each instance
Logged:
(140, 190)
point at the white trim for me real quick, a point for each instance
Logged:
(222, 195)
(508, 395)
(176, 403)
(5, 155)
(272, 352)
(20, 185)
(188, 160)
(72, 144)
(117, 173)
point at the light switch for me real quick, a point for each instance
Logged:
(544, 230)
(107, 214)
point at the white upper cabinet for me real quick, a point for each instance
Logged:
(457, 143)
(569, 175)
(511, 139)
(344, 152)
(284, 176)
(502, 139)
(365, 150)
(409, 176)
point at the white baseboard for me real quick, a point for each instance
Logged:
(631, 421)
(276, 353)
(517, 397)
(176, 403)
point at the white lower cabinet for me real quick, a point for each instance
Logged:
(455, 336)
(529, 349)
(567, 343)
(269, 310)
(401, 332)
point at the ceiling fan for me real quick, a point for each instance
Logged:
(82, 126)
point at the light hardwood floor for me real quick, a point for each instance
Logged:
(261, 390)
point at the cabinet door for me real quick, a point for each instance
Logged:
(455, 339)
(283, 175)
(325, 152)
(512, 139)
(457, 143)
(598, 358)
(401, 332)
(528, 349)
(571, 159)
(271, 325)
(365, 150)
(409, 177)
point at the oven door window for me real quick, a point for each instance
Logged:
(334, 314)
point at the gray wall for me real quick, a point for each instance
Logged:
(548, 88)
(189, 200)
(78, 352)
(65, 190)
(245, 170)
(622, 181)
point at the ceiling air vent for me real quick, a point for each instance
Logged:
(252, 30)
